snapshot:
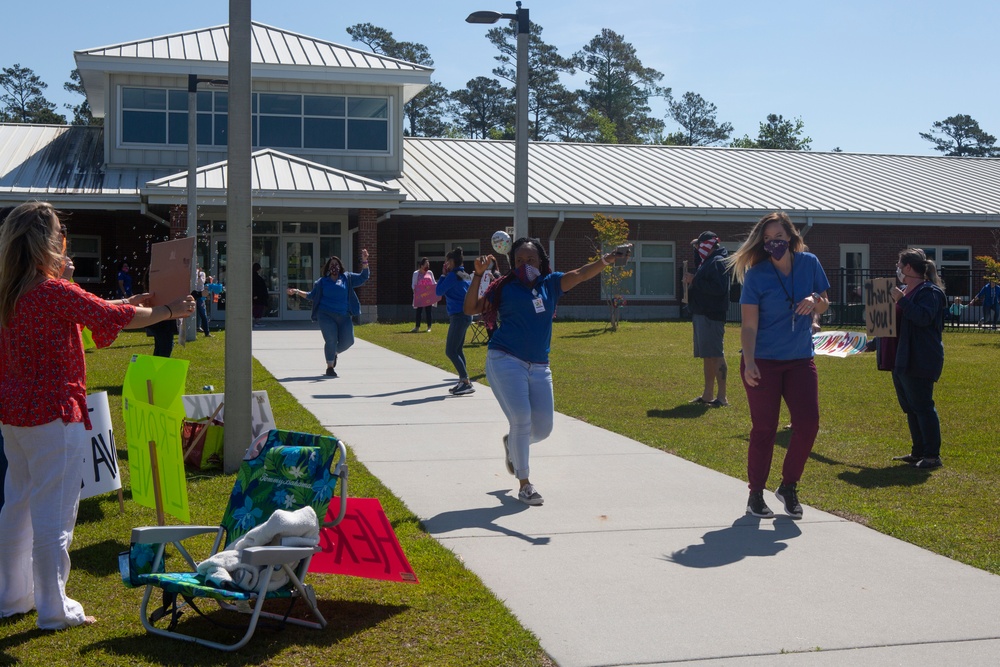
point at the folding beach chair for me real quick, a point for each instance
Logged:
(479, 334)
(291, 471)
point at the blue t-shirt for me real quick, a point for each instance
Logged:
(126, 284)
(522, 332)
(775, 296)
(334, 296)
(453, 288)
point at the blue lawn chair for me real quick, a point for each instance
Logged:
(292, 470)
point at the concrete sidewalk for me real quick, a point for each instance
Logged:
(637, 557)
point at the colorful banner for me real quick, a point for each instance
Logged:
(100, 458)
(161, 423)
(839, 343)
(362, 545)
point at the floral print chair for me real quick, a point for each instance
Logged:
(291, 470)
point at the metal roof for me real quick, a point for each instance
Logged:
(474, 177)
(459, 174)
(275, 54)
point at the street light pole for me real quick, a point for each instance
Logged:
(521, 113)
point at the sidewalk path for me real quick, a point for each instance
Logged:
(637, 557)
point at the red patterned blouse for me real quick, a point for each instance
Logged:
(42, 373)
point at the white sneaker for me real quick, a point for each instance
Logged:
(529, 496)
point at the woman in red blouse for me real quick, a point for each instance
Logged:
(44, 407)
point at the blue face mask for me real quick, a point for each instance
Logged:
(776, 248)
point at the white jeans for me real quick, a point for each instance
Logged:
(42, 494)
(524, 391)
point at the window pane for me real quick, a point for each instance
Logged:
(144, 98)
(178, 100)
(299, 228)
(221, 137)
(931, 253)
(204, 100)
(144, 127)
(329, 228)
(86, 244)
(281, 104)
(626, 286)
(325, 105)
(328, 247)
(651, 250)
(221, 101)
(265, 227)
(954, 254)
(324, 133)
(178, 130)
(88, 269)
(657, 278)
(280, 132)
(436, 249)
(367, 107)
(367, 135)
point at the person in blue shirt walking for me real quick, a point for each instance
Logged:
(784, 287)
(334, 306)
(523, 303)
(453, 286)
(989, 297)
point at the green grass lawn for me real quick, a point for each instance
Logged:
(449, 618)
(638, 381)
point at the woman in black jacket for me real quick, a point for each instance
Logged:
(920, 310)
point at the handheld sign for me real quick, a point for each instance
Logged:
(170, 270)
(362, 545)
(880, 309)
(100, 458)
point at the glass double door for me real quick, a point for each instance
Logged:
(301, 263)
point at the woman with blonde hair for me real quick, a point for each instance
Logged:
(784, 286)
(44, 409)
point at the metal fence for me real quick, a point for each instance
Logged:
(847, 298)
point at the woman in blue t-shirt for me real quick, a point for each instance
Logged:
(334, 306)
(453, 286)
(783, 288)
(523, 303)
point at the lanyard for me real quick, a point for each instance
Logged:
(790, 296)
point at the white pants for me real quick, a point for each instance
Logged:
(42, 494)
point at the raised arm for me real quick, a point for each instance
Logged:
(474, 304)
(573, 278)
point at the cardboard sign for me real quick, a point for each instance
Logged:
(880, 309)
(100, 458)
(170, 270)
(362, 545)
(202, 406)
(160, 423)
(425, 294)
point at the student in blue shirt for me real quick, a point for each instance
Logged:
(517, 358)
(453, 286)
(334, 306)
(783, 288)
(989, 297)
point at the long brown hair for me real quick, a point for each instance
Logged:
(752, 251)
(916, 259)
(29, 248)
(340, 266)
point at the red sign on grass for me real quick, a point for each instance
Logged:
(362, 545)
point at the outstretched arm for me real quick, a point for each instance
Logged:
(573, 278)
(473, 304)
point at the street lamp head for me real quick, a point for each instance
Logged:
(484, 17)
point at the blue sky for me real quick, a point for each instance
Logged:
(864, 75)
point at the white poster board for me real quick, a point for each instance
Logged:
(100, 458)
(201, 406)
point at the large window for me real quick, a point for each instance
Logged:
(86, 254)
(436, 252)
(280, 120)
(654, 271)
(953, 263)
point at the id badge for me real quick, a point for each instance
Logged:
(537, 303)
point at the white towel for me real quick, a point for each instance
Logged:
(291, 529)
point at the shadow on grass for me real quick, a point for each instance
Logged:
(743, 539)
(18, 638)
(589, 333)
(482, 517)
(345, 618)
(880, 478)
(100, 559)
(682, 411)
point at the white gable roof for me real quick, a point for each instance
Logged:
(275, 54)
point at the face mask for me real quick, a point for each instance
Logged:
(899, 274)
(776, 248)
(527, 273)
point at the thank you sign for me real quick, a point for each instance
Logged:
(880, 309)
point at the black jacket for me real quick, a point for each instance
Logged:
(708, 293)
(920, 352)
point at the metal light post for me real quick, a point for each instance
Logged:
(191, 323)
(521, 125)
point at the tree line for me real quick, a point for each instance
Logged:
(612, 107)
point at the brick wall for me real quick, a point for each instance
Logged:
(368, 238)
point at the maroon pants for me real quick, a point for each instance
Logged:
(798, 383)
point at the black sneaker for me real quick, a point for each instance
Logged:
(757, 507)
(455, 388)
(789, 497)
(928, 462)
(330, 372)
(909, 458)
(464, 388)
